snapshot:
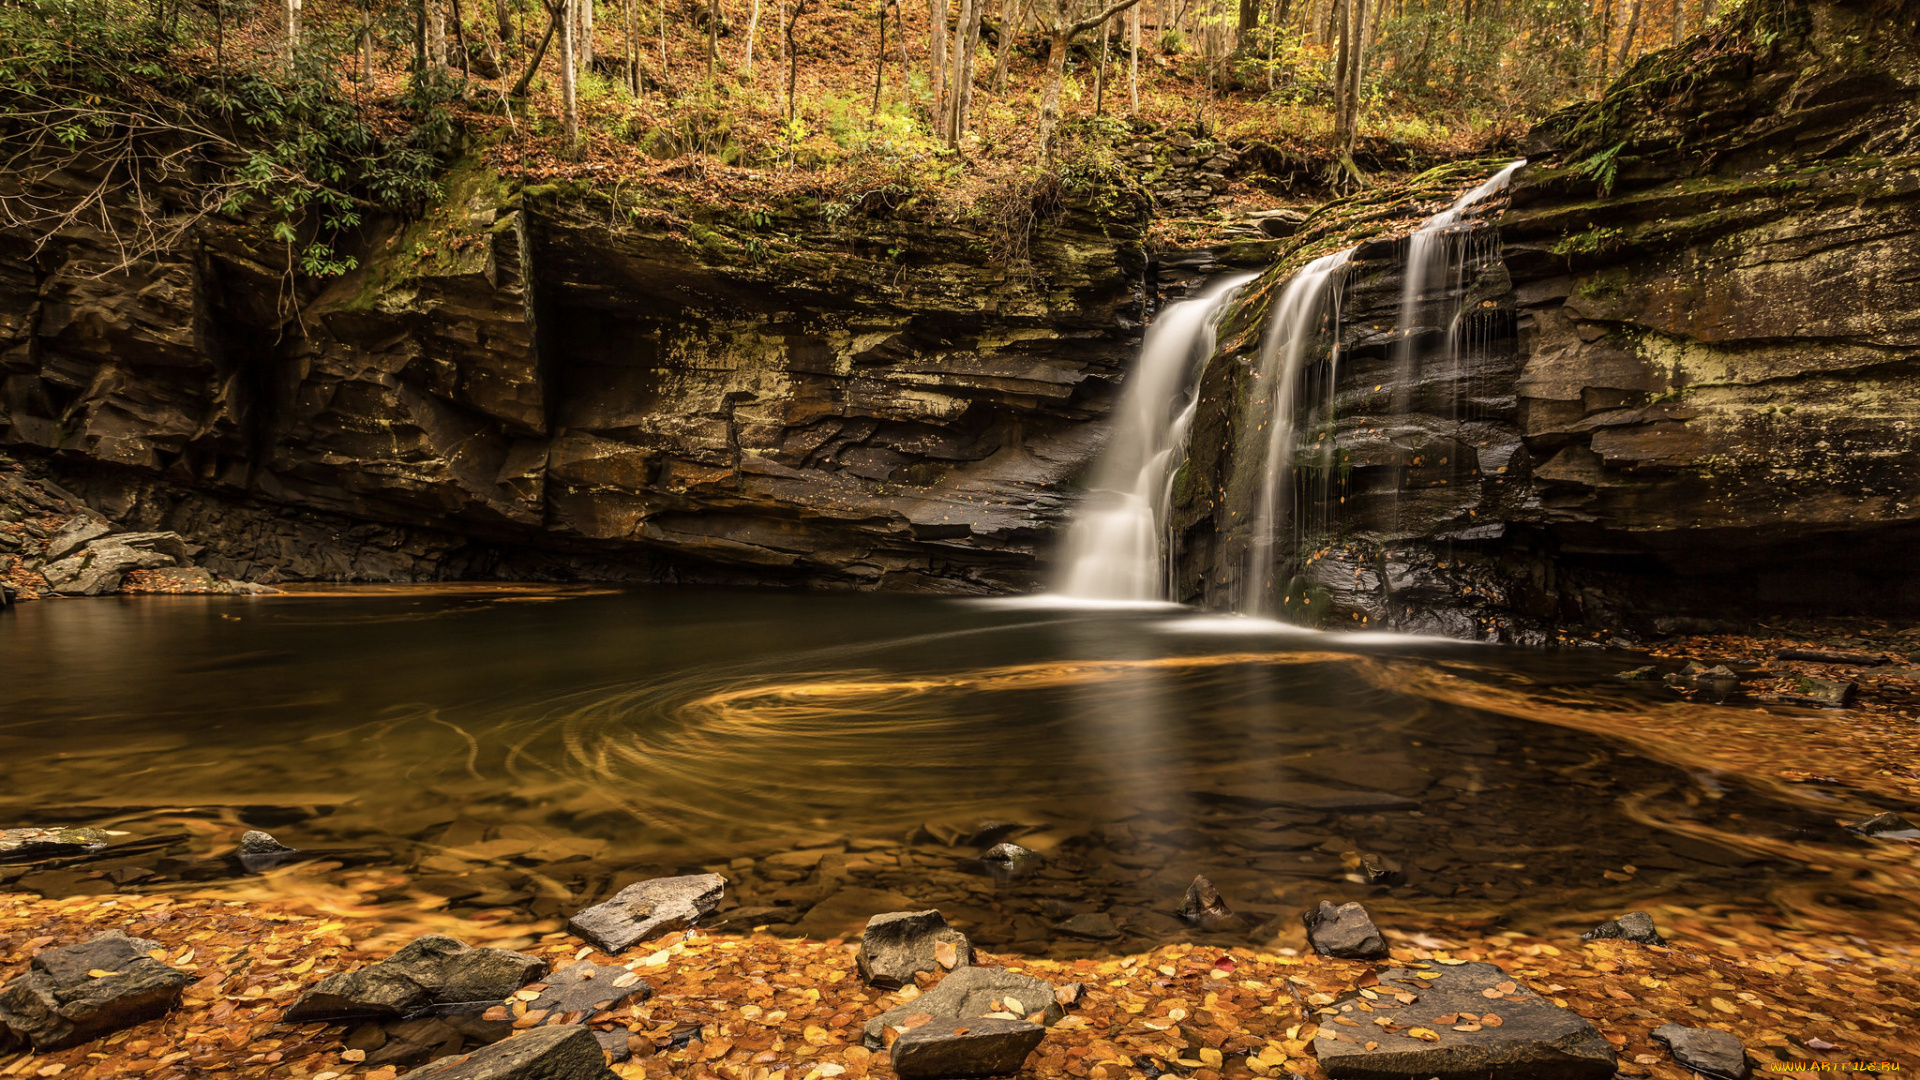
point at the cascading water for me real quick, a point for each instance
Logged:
(1116, 545)
(1307, 310)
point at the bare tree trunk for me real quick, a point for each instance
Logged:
(1009, 36)
(568, 96)
(503, 15)
(793, 58)
(937, 14)
(293, 28)
(753, 30)
(879, 60)
(1050, 96)
(966, 47)
(436, 34)
(1133, 61)
(584, 45)
(1606, 38)
(1356, 72)
(1342, 55)
(460, 47)
(1100, 73)
(554, 15)
(1633, 29)
(713, 38)
(1679, 21)
(630, 8)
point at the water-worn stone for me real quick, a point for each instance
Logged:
(974, 992)
(1885, 827)
(946, 1049)
(1534, 1040)
(647, 909)
(1202, 905)
(585, 987)
(60, 1002)
(560, 1052)
(75, 535)
(27, 844)
(900, 944)
(99, 567)
(1710, 1053)
(432, 970)
(1633, 926)
(260, 851)
(1346, 932)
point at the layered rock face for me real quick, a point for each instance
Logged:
(556, 382)
(1686, 381)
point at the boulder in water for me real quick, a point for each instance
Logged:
(898, 945)
(1202, 905)
(72, 994)
(1346, 932)
(1633, 926)
(1710, 1053)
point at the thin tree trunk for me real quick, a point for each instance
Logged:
(293, 28)
(937, 16)
(966, 47)
(1679, 21)
(713, 38)
(568, 96)
(1606, 38)
(503, 15)
(1133, 61)
(436, 34)
(1633, 29)
(584, 45)
(630, 10)
(554, 15)
(1009, 36)
(1356, 72)
(1342, 56)
(753, 30)
(660, 9)
(419, 36)
(879, 60)
(460, 47)
(793, 60)
(1100, 73)
(1050, 96)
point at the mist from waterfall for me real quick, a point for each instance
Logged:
(1116, 546)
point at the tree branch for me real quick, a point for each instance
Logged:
(1095, 20)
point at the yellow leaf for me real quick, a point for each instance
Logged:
(98, 973)
(1211, 1057)
(1722, 1004)
(302, 967)
(1424, 1034)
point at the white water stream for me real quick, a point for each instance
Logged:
(1116, 545)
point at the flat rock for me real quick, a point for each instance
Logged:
(973, 992)
(1832, 656)
(1202, 905)
(1633, 926)
(898, 945)
(647, 909)
(60, 1002)
(432, 970)
(1708, 1052)
(560, 1052)
(1533, 1040)
(1885, 827)
(75, 535)
(1094, 925)
(25, 845)
(946, 1049)
(585, 988)
(98, 567)
(1346, 932)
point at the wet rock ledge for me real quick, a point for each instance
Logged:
(210, 988)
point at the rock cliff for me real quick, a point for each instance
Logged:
(563, 381)
(1690, 379)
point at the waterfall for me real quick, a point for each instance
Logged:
(1116, 544)
(1308, 309)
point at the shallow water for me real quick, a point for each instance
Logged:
(509, 754)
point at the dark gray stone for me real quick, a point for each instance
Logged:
(1346, 932)
(25, 845)
(1633, 926)
(1708, 1052)
(1381, 871)
(947, 1049)
(585, 988)
(1885, 827)
(432, 970)
(260, 851)
(1717, 682)
(898, 945)
(647, 909)
(974, 992)
(1535, 1040)
(75, 535)
(98, 567)
(615, 1043)
(1009, 855)
(560, 1052)
(1202, 905)
(58, 1003)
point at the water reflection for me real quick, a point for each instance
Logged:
(470, 751)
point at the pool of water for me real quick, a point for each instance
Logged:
(510, 754)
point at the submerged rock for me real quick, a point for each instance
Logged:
(1717, 682)
(1710, 1053)
(974, 992)
(1097, 926)
(647, 909)
(898, 945)
(1485, 1026)
(432, 970)
(1381, 871)
(561, 1052)
(1885, 827)
(79, 992)
(260, 851)
(1202, 905)
(945, 1049)
(1633, 926)
(27, 844)
(1649, 673)
(1346, 932)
